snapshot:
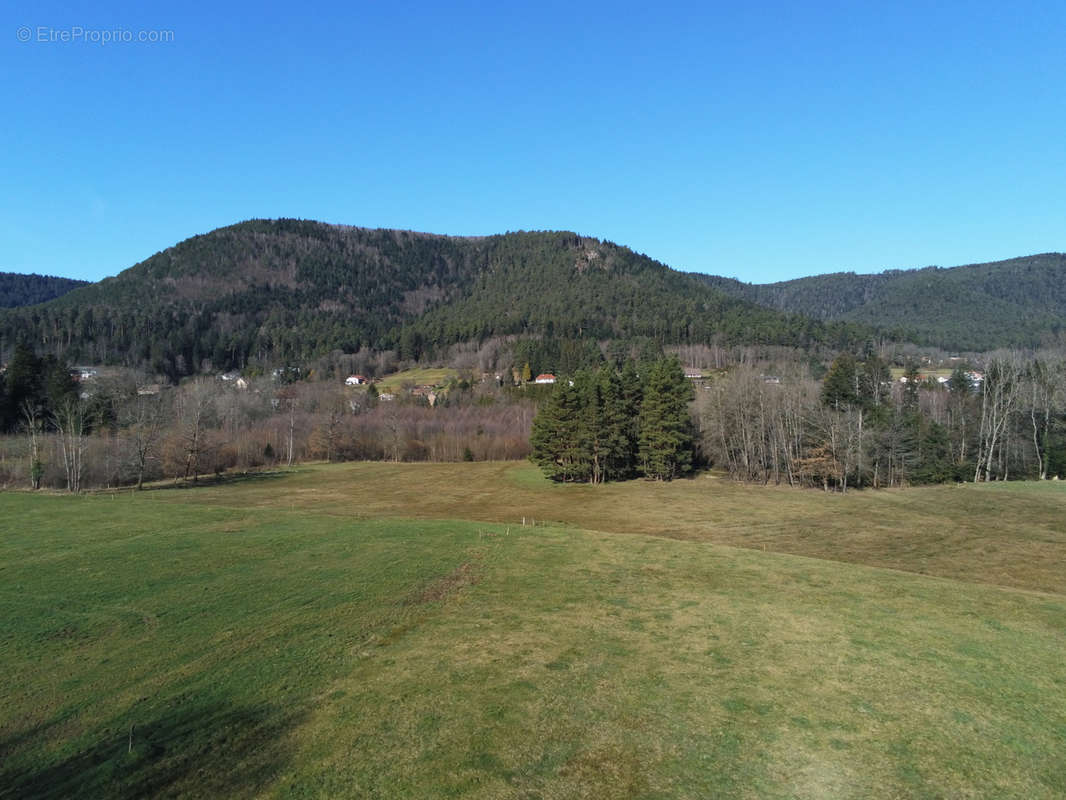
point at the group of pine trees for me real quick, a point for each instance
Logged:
(33, 387)
(610, 424)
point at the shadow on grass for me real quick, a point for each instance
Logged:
(218, 751)
(224, 479)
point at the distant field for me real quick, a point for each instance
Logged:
(898, 372)
(394, 631)
(416, 377)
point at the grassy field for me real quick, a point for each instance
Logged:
(1013, 534)
(416, 377)
(395, 631)
(899, 372)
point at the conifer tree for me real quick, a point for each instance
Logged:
(840, 389)
(559, 440)
(910, 388)
(666, 437)
(22, 383)
(617, 424)
(588, 432)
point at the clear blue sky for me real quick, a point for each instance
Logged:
(759, 140)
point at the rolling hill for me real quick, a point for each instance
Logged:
(1020, 302)
(284, 290)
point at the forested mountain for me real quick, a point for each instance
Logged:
(27, 290)
(276, 291)
(1016, 303)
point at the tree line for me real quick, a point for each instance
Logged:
(619, 414)
(858, 427)
(119, 428)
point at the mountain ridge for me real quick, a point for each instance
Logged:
(18, 289)
(288, 289)
(284, 290)
(1012, 302)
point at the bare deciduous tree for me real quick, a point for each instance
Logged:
(71, 421)
(143, 422)
(1043, 379)
(195, 414)
(34, 424)
(999, 394)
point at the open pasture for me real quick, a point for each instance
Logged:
(379, 630)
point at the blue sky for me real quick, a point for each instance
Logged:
(759, 140)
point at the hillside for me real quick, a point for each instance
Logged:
(1018, 302)
(285, 290)
(27, 290)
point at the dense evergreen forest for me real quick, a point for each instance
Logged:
(1016, 303)
(269, 292)
(28, 290)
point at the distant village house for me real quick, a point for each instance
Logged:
(545, 377)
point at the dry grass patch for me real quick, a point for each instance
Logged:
(1006, 534)
(451, 584)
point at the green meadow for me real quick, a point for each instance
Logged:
(421, 376)
(396, 631)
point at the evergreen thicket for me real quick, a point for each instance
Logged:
(32, 387)
(606, 424)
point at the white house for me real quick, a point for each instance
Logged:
(545, 377)
(355, 380)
